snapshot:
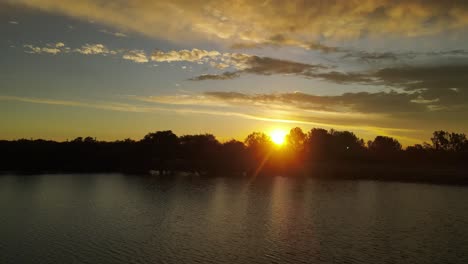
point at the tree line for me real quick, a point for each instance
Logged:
(163, 152)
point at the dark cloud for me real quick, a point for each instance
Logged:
(458, 52)
(370, 57)
(423, 88)
(344, 77)
(373, 56)
(433, 87)
(425, 77)
(263, 66)
(223, 76)
(268, 66)
(447, 83)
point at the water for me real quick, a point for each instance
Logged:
(121, 219)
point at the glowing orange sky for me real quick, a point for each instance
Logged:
(118, 69)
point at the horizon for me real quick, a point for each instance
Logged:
(116, 71)
(236, 131)
(277, 136)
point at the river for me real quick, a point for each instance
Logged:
(113, 218)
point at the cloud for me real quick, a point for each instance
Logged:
(98, 105)
(111, 106)
(381, 103)
(446, 83)
(137, 56)
(13, 22)
(135, 108)
(281, 41)
(367, 123)
(345, 77)
(361, 102)
(242, 63)
(115, 34)
(194, 55)
(297, 21)
(375, 56)
(410, 55)
(442, 85)
(94, 49)
(51, 48)
(426, 77)
(368, 112)
(268, 66)
(223, 76)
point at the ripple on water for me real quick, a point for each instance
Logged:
(119, 219)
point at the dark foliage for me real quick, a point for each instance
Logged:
(317, 152)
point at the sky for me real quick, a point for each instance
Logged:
(120, 69)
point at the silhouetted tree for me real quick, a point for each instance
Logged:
(317, 142)
(161, 148)
(440, 140)
(345, 145)
(296, 139)
(384, 145)
(445, 141)
(200, 151)
(416, 148)
(161, 139)
(458, 142)
(259, 147)
(233, 156)
(89, 140)
(166, 152)
(259, 143)
(77, 140)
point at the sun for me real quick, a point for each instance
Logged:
(278, 136)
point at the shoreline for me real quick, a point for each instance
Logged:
(439, 176)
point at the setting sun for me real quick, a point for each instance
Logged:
(278, 136)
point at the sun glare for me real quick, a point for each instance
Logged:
(278, 136)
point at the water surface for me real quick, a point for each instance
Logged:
(111, 218)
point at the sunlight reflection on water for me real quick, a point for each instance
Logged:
(123, 219)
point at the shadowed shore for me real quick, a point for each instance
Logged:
(318, 153)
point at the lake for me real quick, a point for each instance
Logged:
(113, 218)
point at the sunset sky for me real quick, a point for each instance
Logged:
(120, 69)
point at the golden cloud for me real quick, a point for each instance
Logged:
(137, 56)
(298, 22)
(194, 55)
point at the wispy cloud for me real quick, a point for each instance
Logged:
(138, 56)
(52, 48)
(98, 105)
(405, 56)
(310, 120)
(115, 34)
(386, 103)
